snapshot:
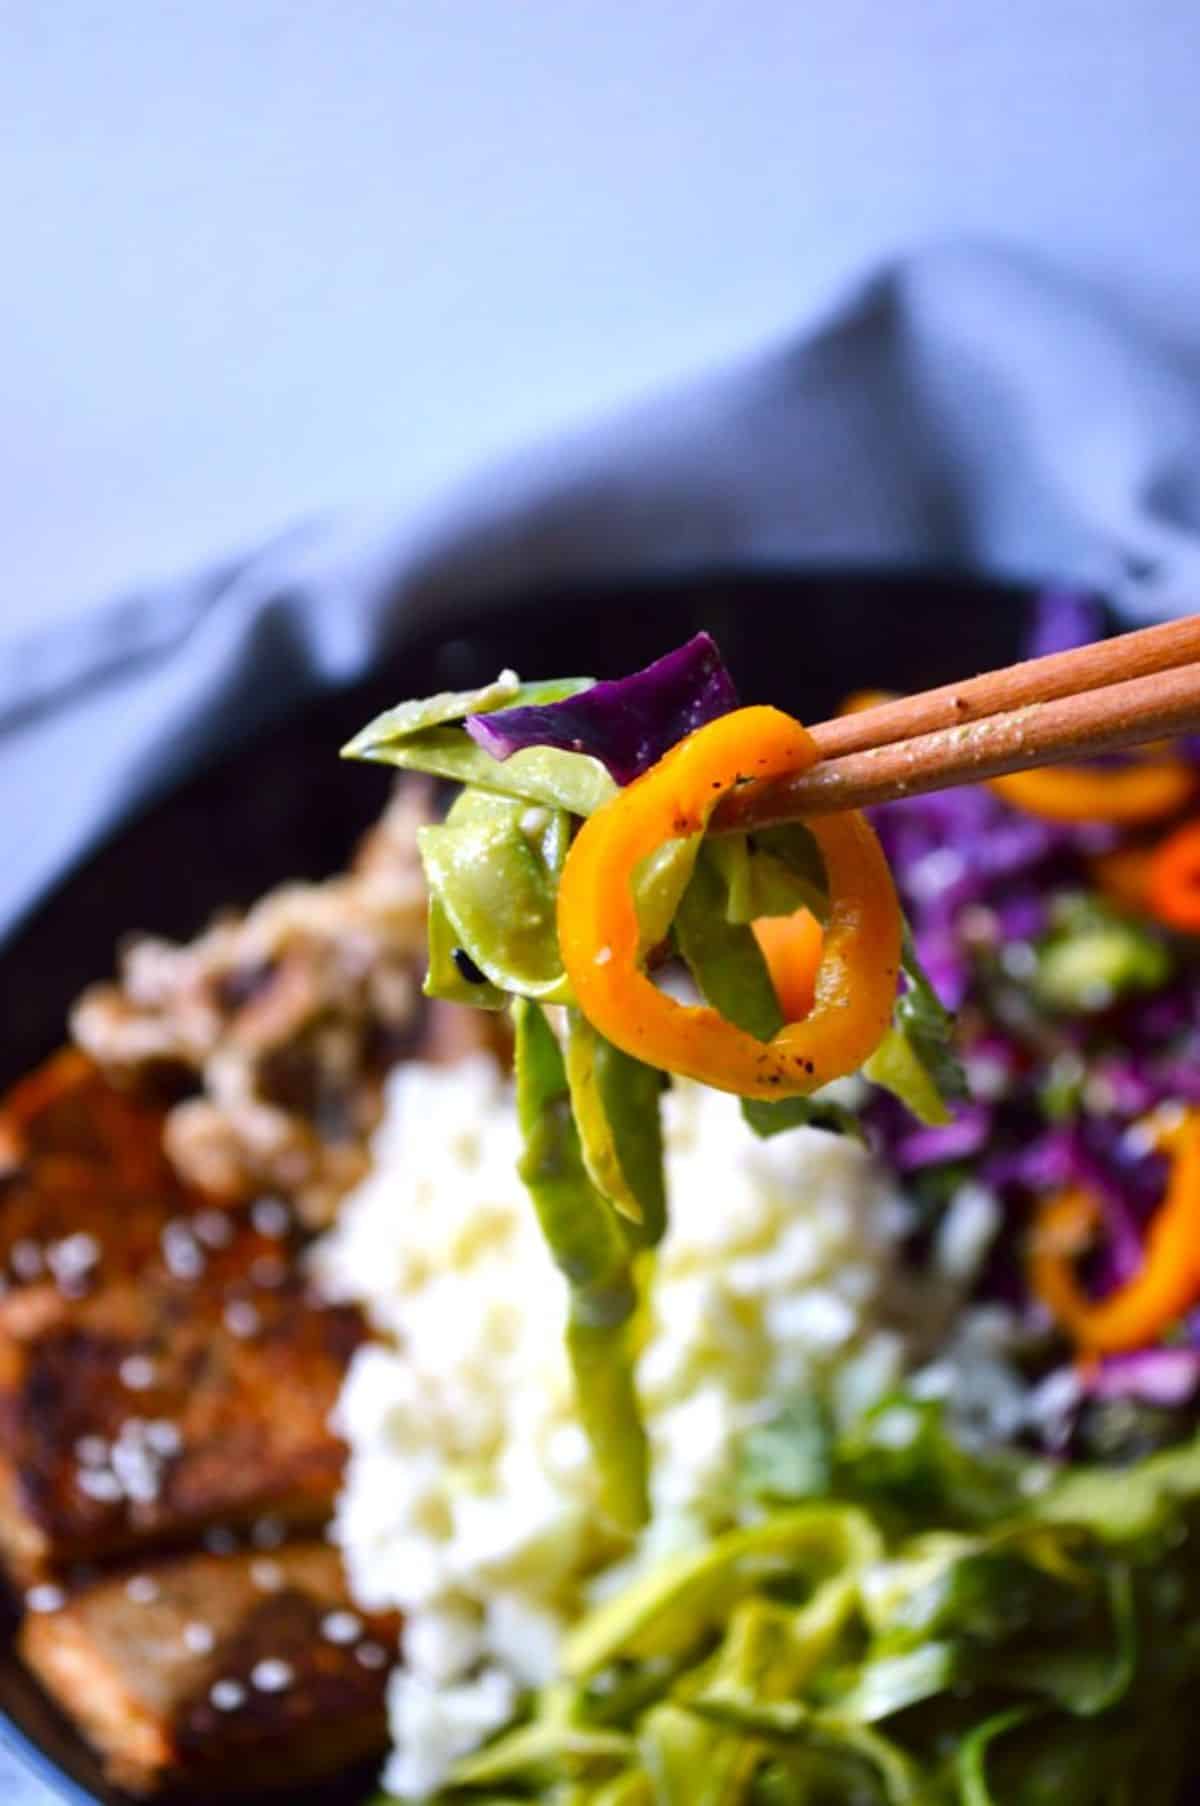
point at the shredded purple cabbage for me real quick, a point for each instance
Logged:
(1058, 1098)
(1152, 1376)
(965, 1135)
(1064, 619)
(627, 723)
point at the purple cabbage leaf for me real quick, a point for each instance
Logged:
(628, 723)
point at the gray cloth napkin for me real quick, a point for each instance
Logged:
(962, 408)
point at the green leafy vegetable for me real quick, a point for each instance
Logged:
(490, 879)
(615, 1101)
(790, 1458)
(587, 1242)
(445, 976)
(916, 1060)
(723, 956)
(1118, 1504)
(768, 1118)
(658, 884)
(785, 872)
(408, 719)
(1093, 954)
(972, 1756)
(902, 1457)
(682, 1600)
(424, 736)
(728, 966)
(825, 1656)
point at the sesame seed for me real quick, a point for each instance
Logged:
(141, 1589)
(213, 1228)
(91, 1451)
(271, 1216)
(272, 1675)
(182, 1252)
(341, 1627)
(371, 1655)
(242, 1318)
(134, 1465)
(227, 1695)
(267, 1533)
(199, 1639)
(219, 1540)
(141, 1486)
(164, 1437)
(137, 1373)
(267, 1576)
(73, 1259)
(45, 1598)
(100, 1484)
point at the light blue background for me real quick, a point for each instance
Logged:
(261, 257)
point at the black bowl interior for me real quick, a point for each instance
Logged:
(284, 807)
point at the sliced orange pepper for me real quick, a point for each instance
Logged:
(791, 946)
(1126, 794)
(598, 926)
(1165, 1285)
(1173, 886)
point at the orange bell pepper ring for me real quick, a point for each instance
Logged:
(1173, 881)
(856, 980)
(1125, 794)
(1168, 1281)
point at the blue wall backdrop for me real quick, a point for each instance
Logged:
(266, 256)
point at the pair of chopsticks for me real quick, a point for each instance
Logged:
(1117, 693)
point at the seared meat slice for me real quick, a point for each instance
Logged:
(66, 1109)
(86, 1190)
(157, 1406)
(217, 1674)
(65, 1221)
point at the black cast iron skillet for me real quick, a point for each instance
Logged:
(283, 806)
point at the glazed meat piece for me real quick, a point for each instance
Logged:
(65, 1222)
(282, 1022)
(86, 1190)
(195, 1395)
(67, 1110)
(217, 1674)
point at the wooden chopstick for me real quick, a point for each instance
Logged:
(1123, 692)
